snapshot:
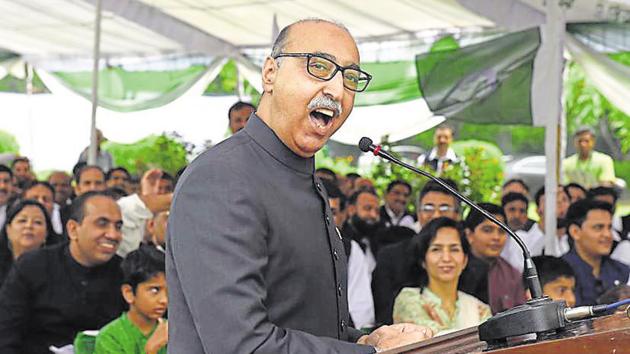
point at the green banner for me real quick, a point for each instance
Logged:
(392, 82)
(128, 91)
(488, 82)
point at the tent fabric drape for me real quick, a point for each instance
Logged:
(131, 91)
(610, 78)
(483, 83)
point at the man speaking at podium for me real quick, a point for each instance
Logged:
(254, 263)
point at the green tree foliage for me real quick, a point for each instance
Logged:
(167, 152)
(226, 83)
(8, 143)
(480, 175)
(341, 165)
(584, 105)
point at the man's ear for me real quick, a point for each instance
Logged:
(351, 209)
(71, 228)
(151, 226)
(127, 293)
(269, 72)
(574, 232)
(469, 236)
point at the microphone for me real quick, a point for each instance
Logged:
(538, 315)
(530, 273)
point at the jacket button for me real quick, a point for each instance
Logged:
(318, 186)
(342, 325)
(339, 290)
(336, 255)
(327, 220)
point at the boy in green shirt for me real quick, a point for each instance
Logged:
(142, 329)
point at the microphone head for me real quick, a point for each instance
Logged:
(365, 143)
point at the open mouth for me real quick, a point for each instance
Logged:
(322, 118)
(108, 246)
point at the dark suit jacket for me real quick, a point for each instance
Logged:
(393, 272)
(254, 264)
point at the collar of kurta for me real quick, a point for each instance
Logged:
(264, 136)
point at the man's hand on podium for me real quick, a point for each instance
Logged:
(387, 337)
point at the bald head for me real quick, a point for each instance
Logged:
(281, 41)
(303, 108)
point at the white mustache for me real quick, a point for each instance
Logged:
(325, 102)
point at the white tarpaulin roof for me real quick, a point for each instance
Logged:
(45, 30)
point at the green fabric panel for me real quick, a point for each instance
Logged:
(608, 36)
(392, 82)
(128, 91)
(488, 82)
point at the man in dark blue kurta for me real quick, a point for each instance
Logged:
(254, 263)
(595, 272)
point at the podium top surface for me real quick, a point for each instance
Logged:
(603, 334)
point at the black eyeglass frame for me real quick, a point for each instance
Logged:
(337, 67)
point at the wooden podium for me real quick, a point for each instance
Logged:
(610, 334)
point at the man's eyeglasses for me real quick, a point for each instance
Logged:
(430, 208)
(325, 69)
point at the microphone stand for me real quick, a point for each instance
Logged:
(539, 315)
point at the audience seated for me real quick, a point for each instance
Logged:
(347, 184)
(166, 184)
(362, 223)
(488, 276)
(441, 155)
(156, 227)
(89, 178)
(515, 208)
(439, 254)
(142, 329)
(117, 177)
(515, 185)
(360, 301)
(534, 238)
(590, 226)
(62, 182)
(394, 210)
(104, 159)
(557, 278)
(576, 192)
(621, 244)
(326, 174)
(21, 168)
(392, 271)
(55, 292)
(27, 228)
(618, 293)
(6, 191)
(137, 209)
(44, 193)
(238, 115)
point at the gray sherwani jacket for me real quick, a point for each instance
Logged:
(254, 264)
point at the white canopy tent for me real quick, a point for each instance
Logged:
(43, 30)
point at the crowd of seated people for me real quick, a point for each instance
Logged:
(84, 251)
(590, 256)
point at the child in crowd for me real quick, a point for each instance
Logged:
(557, 278)
(142, 329)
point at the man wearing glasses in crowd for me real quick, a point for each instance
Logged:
(254, 263)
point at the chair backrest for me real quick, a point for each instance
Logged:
(84, 342)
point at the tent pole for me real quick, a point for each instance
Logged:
(553, 32)
(97, 42)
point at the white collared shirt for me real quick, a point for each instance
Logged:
(404, 220)
(55, 219)
(3, 215)
(534, 239)
(360, 300)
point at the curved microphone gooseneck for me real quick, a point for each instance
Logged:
(540, 314)
(530, 273)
